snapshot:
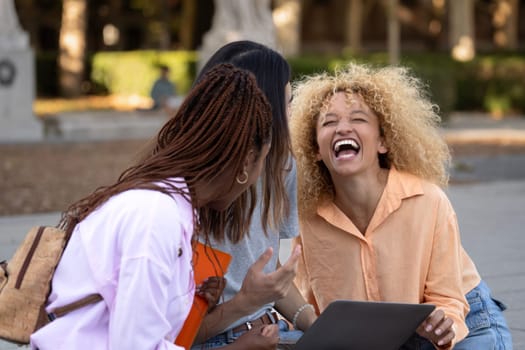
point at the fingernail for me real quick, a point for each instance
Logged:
(438, 331)
(428, 328)
(440, 342)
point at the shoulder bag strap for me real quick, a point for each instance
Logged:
(87, 300)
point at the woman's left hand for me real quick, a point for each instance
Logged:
(211, 290)
(438, 328)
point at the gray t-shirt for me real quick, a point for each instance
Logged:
(246, 252)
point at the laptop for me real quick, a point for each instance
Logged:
(363, 325)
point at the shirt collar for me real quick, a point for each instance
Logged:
(400, 186)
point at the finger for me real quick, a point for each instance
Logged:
(208, 290)
(446, 338)
(213, 279)
(421, 329)
(444, 326)
(285, 273)
(212, 282)
(257, 329)
(433, 320)
(262, 260)
(211, 295)
(294, 257)
(216, 279)
(271, 330)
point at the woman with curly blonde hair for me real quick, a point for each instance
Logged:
(371, 163)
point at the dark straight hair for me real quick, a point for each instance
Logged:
(272, 73)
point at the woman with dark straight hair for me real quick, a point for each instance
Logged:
(256, 282)
(133, 241)
(272, 73)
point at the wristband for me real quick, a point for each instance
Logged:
(298, 312)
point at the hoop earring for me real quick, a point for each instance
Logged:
(245, 180)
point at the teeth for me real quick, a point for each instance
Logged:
(338, 144)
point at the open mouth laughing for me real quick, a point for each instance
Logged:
(346, 148)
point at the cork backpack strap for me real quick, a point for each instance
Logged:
(87, 300)
(62, 310)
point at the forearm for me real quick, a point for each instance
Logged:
(291, 303)
(222, 316)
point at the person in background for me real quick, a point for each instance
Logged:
(164, 92)
(375, 222)
(133, 242)
(256, 282)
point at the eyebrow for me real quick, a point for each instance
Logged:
(359, 111)
(335, 114)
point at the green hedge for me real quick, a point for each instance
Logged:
(491, 82)
(130, 72)
(133, 72)
(436, 71)
(437, 77)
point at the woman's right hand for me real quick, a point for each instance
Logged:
(259, 288)
(264, 337)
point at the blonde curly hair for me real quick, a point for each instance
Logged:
(408, 120)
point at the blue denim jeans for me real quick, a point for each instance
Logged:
(286, 336)
(488, 329)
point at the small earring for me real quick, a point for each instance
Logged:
(245, 180)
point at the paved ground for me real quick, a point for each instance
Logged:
(491, 221)
(489, 202)
(492, 224)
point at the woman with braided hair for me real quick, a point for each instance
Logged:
(133, 241)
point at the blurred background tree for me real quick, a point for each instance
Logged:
(72, 47)
(471, 52)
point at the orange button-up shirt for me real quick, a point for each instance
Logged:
(411, 252)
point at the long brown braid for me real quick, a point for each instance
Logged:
(223, 117)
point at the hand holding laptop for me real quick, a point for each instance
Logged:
(438, 328)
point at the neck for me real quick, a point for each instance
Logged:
(358, 196)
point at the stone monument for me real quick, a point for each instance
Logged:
(17, 80)
(238, 20)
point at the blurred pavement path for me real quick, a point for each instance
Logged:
(490, 210)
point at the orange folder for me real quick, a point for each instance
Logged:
(207, 262)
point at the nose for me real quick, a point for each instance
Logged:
(344, 127)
